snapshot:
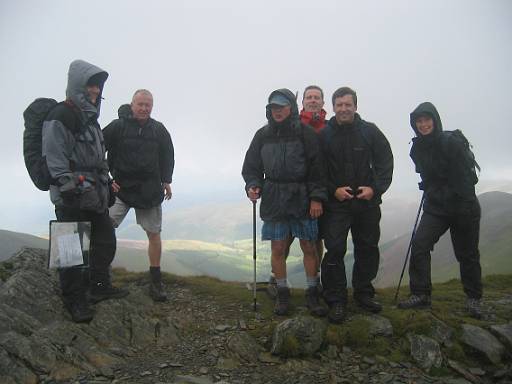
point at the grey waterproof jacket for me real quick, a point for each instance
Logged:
(284, 160)
(73, 145)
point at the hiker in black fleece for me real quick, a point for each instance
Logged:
(449, 203)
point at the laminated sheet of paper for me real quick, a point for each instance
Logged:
(69, 244)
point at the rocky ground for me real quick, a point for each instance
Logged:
(195, 337)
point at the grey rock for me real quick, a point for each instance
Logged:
(483, 342)
(441, 332)
(461, 370)
(245, 347)
(266, 357)
(299, 336)
(379, 326)
(227, 364)
(222, 328)
(192, 380)
(425, 351)
(504, 333)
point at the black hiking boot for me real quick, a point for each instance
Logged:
(272, 287)
(157, 291)
(368, 303)
(80, 311)
(337, 312)
(313, 302)
(416, 302)
(105, 291)
(282, 301)
(156, 287)
(474, 308)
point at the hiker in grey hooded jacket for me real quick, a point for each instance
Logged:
(75, 155)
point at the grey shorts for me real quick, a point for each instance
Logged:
(149, 219)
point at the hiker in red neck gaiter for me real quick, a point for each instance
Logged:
(313, 113)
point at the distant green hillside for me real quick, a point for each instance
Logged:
(495, 245)
(11, 242)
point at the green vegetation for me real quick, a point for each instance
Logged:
(448, 306)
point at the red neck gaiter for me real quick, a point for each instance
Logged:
(316, 120)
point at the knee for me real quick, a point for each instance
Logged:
(154, 238)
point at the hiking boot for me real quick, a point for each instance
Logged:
(282, 301)
(272, 287)
(80, 311)
(157, 291)
(313, 302)
(416, 302)
(474, 308)
(368, 303)
(336, 313)
(105, 291)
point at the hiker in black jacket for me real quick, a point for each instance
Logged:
(75, 156)
(448, 180)
(141, 160)
(359, 166)
(283, 166)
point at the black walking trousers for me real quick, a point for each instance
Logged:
(364, 226)
(74, 281)
(464, 231)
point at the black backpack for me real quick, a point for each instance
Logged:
(34, 116)
(470, 163)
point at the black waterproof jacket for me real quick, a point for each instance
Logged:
(355, 155)
(285, 161)
(437, 158)
(141, 158)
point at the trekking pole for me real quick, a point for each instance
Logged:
(410, 245)
(254, 250)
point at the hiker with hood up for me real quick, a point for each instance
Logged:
(283, 166)
(450, 202)
(72, 143)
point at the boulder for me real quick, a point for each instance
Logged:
(378, 325)
(299, 336)
(504, 333)
(481, 341)
(245, 347)
(425, 351)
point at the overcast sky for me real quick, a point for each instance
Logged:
(212, 64)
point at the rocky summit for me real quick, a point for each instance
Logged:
(207, 332)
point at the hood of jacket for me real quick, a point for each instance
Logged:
(79, 74)
(293, 102)
(428, 109)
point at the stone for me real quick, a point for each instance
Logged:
(441, 332)
(227, 364)
(481, 341)
(244, 346)
(266, 357)
(183, 379)
(378, 325)
(425, 351)
(504, 333)
(461, 370)
(298, 336)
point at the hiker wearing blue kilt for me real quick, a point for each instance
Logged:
(283, 166)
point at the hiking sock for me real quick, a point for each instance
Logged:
(282, 283)
(311, 281)
(155, 274)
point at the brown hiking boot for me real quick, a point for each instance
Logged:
(282, 301)
(313, 302)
